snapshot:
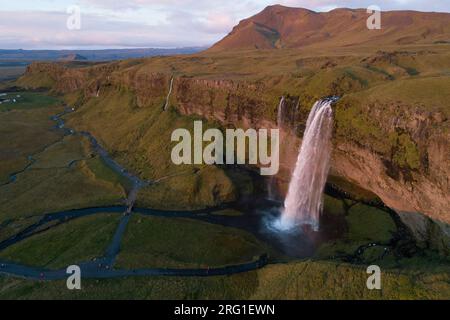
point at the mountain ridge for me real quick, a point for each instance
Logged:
(278, 27)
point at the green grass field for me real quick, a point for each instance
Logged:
(19, 130)
(363, 225)
(39, 191)
(48, 184)
(299, 280)
(70, 243)
(63, 153)
(154, 242)
(28, 100)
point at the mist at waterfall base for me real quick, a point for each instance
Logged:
(304, 200)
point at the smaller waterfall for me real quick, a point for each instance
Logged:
(271, 188)
(166, 105)
(304, 200)
(280, 116)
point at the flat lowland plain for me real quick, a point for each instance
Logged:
(43, 171)
(155, 242)
(11, 72)
(296, 280)
(73, 242)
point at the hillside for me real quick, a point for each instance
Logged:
(283, 27)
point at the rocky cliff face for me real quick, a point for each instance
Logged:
(409, 169)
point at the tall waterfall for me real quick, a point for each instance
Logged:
(304, 200)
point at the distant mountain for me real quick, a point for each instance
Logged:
(284, 27)
(92, 55)
(73, 57)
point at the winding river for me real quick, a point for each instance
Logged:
(103, 266)
(254, 221)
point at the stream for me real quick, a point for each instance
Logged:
(256, 220)
(103, 266)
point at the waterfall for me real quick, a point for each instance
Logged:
(304, 200)
(166, 105)
(271, 189)
(280, 112)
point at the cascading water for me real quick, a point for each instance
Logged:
(304, 200)
(271, 189)
(166, 104)
(280, 112)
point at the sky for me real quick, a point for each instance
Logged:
(43, 24)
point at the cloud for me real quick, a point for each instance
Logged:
(137, 23)
(441, 5)
(153, 23)
(48, 30)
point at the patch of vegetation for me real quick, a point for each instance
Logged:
(364, 225)
(412, 71)
(101, 171)
(352, 124)
(439, 238)
(369, 224)
(152, 242)
(351, 74)
(9, 228)
(379, 70)
(24, 133)
(329, 280)
(62, 154)
(411, 91)
(228, 213)
(404, 151)
(49, 184)
(189, 189)
(334, 206)
(28, 100)
(38, 191)
(239, 286)
(36, 81)
(72, 242)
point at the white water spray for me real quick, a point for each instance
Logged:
(304, 200)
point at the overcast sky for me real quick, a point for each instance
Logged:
(42, 24)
